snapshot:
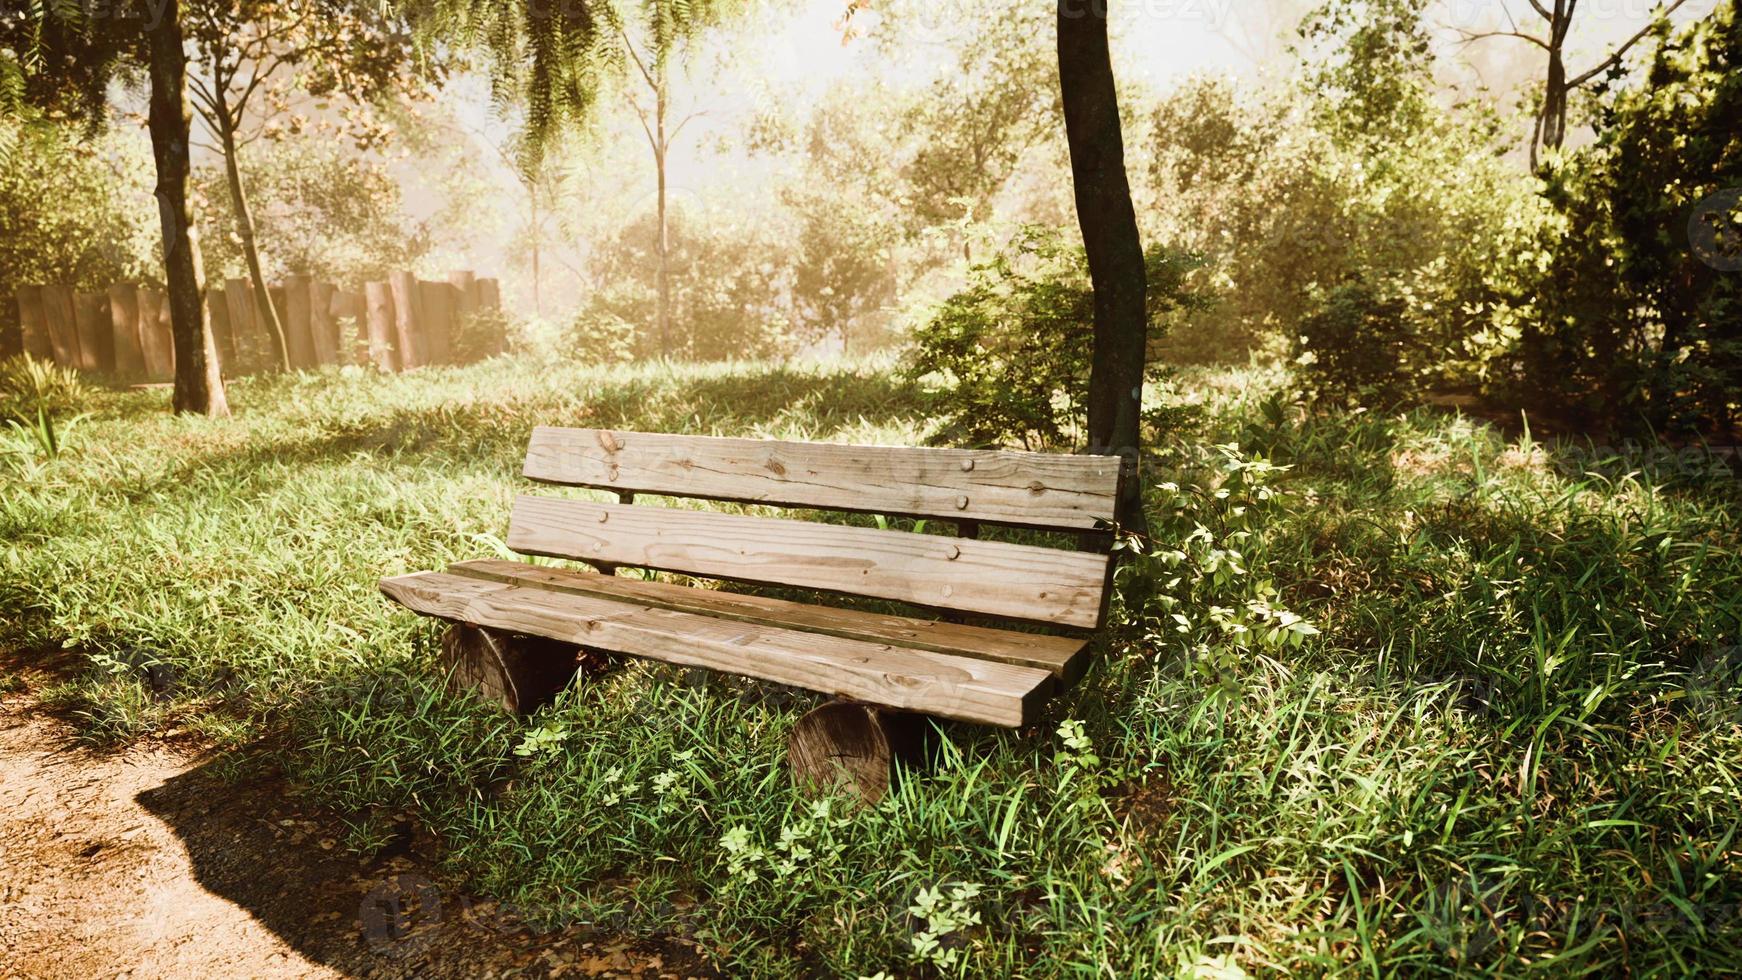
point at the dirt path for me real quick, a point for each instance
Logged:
(144, 863)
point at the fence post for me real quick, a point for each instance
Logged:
(124, 329)
(91, 319)
(63, 333)
(407, 320)
(33, 324)
(223, 332)
(322, 334)
(154, 339)
(436, 314)
(380, 319)
(245, 332)
(296, 322)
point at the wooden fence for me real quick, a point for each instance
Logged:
(396, 325)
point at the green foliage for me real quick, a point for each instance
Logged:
(37, 399)
(318, 209)
(1009, 354)
(1465, 769)
(29, 387)
(1354, 346)
(596, 335)
(73, 211)
(1340, 183)
(1634, 314)
(730, 289)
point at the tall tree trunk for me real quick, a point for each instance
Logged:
(1109, 226)
(659, 152)
(267, 312)
(198, 385)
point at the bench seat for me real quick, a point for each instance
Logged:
(970, 673)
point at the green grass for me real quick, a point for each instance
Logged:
(1511, 745)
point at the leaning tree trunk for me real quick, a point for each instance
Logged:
(664, 284)
(1109, 226)
(250, 249)
(198, 385)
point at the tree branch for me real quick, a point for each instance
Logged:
(672, 136)
(1470, 37)
(1615, 57)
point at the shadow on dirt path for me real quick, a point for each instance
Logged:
(148, 863)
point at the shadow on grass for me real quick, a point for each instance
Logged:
(386, 915)
(477, 428)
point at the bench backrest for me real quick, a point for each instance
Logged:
(1017, 581)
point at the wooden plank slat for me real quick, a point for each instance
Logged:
(465, 293)
(63, 331)
(407, 321)
(33, 322)
(154, 335)
(298, 328)
(124, 329)
(912, 680)
(1061, 656)
(91, 318)
(993, 577)
(1028, 489)
(379, 298)
(323, 338)
(223, 334)
(253, 348)
(489, 294)
(436, 314)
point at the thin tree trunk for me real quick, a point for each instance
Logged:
(659, 152)
(245, 230)
(1109, 226)
(537, 234)
(198, 385)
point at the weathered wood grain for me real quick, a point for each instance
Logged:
(91, 319)
(33, 321)
(378, 296)
(124, 329)
(938, 684)
(322, 328)
(465, 285)
(845, 746)
(436, 318)
(1062, 656)
(1028, 489)
(993, 577)
(154, 335)
(63, 331)
(297, 323)
(253, 347)
(407, 321)
(223, 335)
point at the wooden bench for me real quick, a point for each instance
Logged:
(507, 613)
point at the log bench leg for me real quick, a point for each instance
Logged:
(850, 747)
(519, 673)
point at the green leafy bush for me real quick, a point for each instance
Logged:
(598, 336)
(1009, 354)
(1634, 316)
(29, 386)
(1356, 345)
(1355, 173)
(730, 288)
